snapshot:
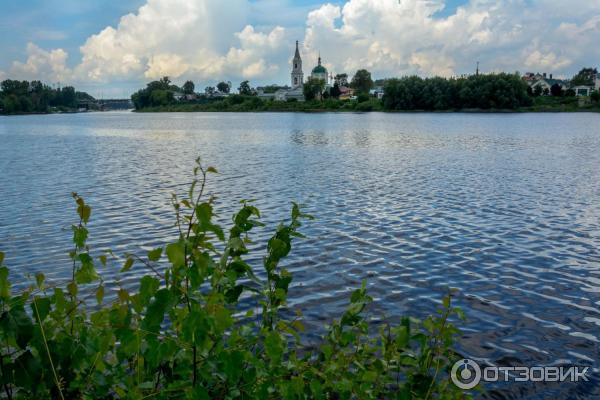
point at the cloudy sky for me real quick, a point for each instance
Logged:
(112, 47)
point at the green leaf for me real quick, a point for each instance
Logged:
(176, 254)
(402, 337)
(100, 294)
(84, 212)
(102, 259)
(155, 313)
(29, 371)
(204, 213)
(199, 393)
(80, 235)
(39, 279)
(1, 257)
(41, 306)
(274, 346)
(232, 295)
(233, 365)
(154, 255)
(4, 284)
(86, 273)
(148, 287)
(72, 289)
(17, 323)
(212, 169)
(128, 264)
(223, 319)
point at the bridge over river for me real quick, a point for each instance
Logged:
(106, 104)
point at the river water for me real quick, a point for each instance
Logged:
(504, 207)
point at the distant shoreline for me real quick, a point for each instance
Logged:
(158, 110)
(321, 111)
(185, 108)
(252, 104)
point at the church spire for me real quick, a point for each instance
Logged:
(297, 74)
(319, 58)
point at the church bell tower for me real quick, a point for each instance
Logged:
(297, 74)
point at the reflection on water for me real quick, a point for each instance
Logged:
(504, 207)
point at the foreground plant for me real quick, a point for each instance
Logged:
(183, 334)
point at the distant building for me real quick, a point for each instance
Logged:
(346, 93)
(320, 72)
(583, 90)
(586, 90)
(297, 79)
(546, 83)
(377, 92)
(261, 94)
(530, 77)
(296, 93)
(297, 74)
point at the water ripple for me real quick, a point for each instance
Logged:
(504, 207)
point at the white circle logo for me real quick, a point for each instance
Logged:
(465, 374)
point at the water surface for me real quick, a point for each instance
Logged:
(504, 207)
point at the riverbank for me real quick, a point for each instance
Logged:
(370, 107)
(237, 103)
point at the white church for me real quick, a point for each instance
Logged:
(297, 79)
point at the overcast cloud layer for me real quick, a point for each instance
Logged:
(210, 40)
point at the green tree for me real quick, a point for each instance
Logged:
(161, 98)
(362, 81)
(245, 89)
(209, 90)
(503, 91)
(165, 83)
(335, 91)
(341, 79)
(188, 87)
(313, 89)
(585, 77)
(68, 98)
(25, 97)
(224, 87)
(556, 90)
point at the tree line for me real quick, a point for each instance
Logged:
(493, 91)
(36, 97)
(410, 93)
(162, 92)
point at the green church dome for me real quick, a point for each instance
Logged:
(319, 69)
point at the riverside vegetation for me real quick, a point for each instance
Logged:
(490, 92)
(23, 97)
(183, 334)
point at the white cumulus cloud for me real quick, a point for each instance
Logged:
(42, 65)
(227, 40)
(394, 38)
(193, 38)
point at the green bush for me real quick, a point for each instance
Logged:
(492, 91)
(183, 334)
